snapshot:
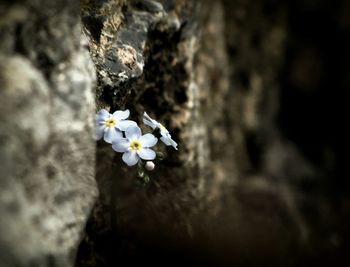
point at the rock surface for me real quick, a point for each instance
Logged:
(47, 152)
(260, 174)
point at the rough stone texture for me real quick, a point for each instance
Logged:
(47, 152)
(202, 196)
(171, 74)
(260, 177)
(235, 192)
(236, 188)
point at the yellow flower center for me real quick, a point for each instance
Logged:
(162, 127)
(135, 145)
(111, 122)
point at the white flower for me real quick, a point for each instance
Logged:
(166, 137)
(150, 165)
(135, 146)
(109, 126)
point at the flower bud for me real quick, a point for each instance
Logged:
(149, 165)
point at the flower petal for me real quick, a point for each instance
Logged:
(120, 144)
(148, 121)
(102, 115)
(121, 115)
(133, 132)
(167, 140)
(130, 158)
(148, 140)
(100, 129)
(163, 131)
(111, 134)
(173, 144)
(147, 154)
(123, 125)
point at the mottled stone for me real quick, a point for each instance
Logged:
(47, 185)
(185, 73)
(260, 174)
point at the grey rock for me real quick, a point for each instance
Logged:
(47, 185)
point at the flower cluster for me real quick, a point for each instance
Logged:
(126, 137)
